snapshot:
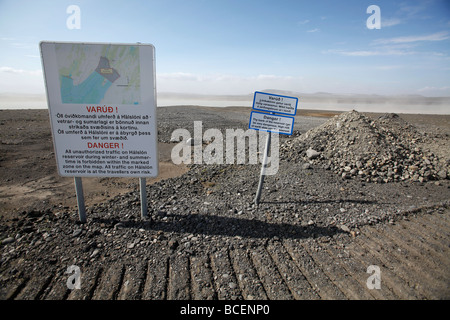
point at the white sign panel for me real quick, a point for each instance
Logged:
(272, 123)
(275, 103)
(102, 105)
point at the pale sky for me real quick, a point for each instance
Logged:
(242, 46)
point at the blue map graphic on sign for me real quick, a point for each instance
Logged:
(99, 74)
(91, 90)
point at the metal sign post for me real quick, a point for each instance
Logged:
(80, 199)
(277, 116)
(82, 206)
(263, 168)
(143, 192)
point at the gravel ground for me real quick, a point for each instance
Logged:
(208, 210)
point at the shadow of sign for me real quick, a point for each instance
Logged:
(330, 201)
(231, 226)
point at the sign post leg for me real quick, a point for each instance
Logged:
(263, 168)
(80, 199)
(142, 183)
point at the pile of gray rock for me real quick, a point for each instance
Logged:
(383, 150)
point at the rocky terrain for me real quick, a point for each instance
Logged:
(382, 150)
(206, 239)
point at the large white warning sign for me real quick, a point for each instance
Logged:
(102, 105)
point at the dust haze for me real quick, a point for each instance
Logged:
(414, 104)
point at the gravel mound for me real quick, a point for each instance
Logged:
(354, 146)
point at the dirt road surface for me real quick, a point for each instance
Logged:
(315, 236)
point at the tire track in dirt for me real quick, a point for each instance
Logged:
(412, 254)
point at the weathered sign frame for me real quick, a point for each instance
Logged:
(109, 136)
